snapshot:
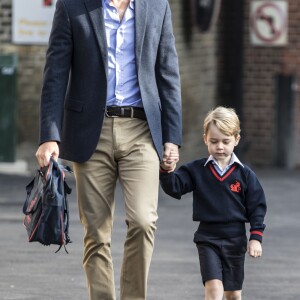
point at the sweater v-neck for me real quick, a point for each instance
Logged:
(225, 175)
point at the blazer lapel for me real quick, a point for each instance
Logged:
(140, 26)
(95, 11)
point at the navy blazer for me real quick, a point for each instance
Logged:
(74, 88)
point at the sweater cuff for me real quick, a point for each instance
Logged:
(256, 235)
(163, 171)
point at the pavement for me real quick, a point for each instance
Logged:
(32, 271)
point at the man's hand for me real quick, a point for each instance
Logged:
(254, 248)
(170, 157)
(45, 151)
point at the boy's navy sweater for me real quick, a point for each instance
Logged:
(234, 198)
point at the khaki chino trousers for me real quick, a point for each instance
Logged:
(125, 151)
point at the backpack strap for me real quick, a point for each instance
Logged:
(67, 191)
(66, 210)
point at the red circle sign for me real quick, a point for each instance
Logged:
(264, 22)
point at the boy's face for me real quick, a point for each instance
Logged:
(219, 145)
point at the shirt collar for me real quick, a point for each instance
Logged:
(131, 3)
(233, 159)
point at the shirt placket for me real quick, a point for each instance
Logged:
(120, 64)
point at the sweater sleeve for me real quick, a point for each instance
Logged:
(178, 183)
(256, 207)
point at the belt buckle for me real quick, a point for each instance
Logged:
(124, 109)
(110, 116)
(131, 112)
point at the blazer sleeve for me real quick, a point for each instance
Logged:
(168, 82)
(56, 75)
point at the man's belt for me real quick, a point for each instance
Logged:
(125, 112)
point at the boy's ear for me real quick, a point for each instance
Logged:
(237, 139)
(205, 139)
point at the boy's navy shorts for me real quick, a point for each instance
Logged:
(223, 259)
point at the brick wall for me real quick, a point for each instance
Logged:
(5, 21)
(197, 58)
(258, 101)
(29, 74)
(261, 65)
(197, 67)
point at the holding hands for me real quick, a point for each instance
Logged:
(170, 157)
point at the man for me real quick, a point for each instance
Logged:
(111, 104)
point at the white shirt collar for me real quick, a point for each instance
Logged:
(233, 159)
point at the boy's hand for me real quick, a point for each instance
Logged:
(169, 164)
(168, 167)
(254, 248)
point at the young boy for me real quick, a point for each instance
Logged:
(226, 195)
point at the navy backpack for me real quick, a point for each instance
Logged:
(46, 207)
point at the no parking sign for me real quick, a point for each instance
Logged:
(269, 23)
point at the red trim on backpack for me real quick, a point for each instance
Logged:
(35, 229)
(221, 178)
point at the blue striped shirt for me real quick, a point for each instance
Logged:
(123, 87)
